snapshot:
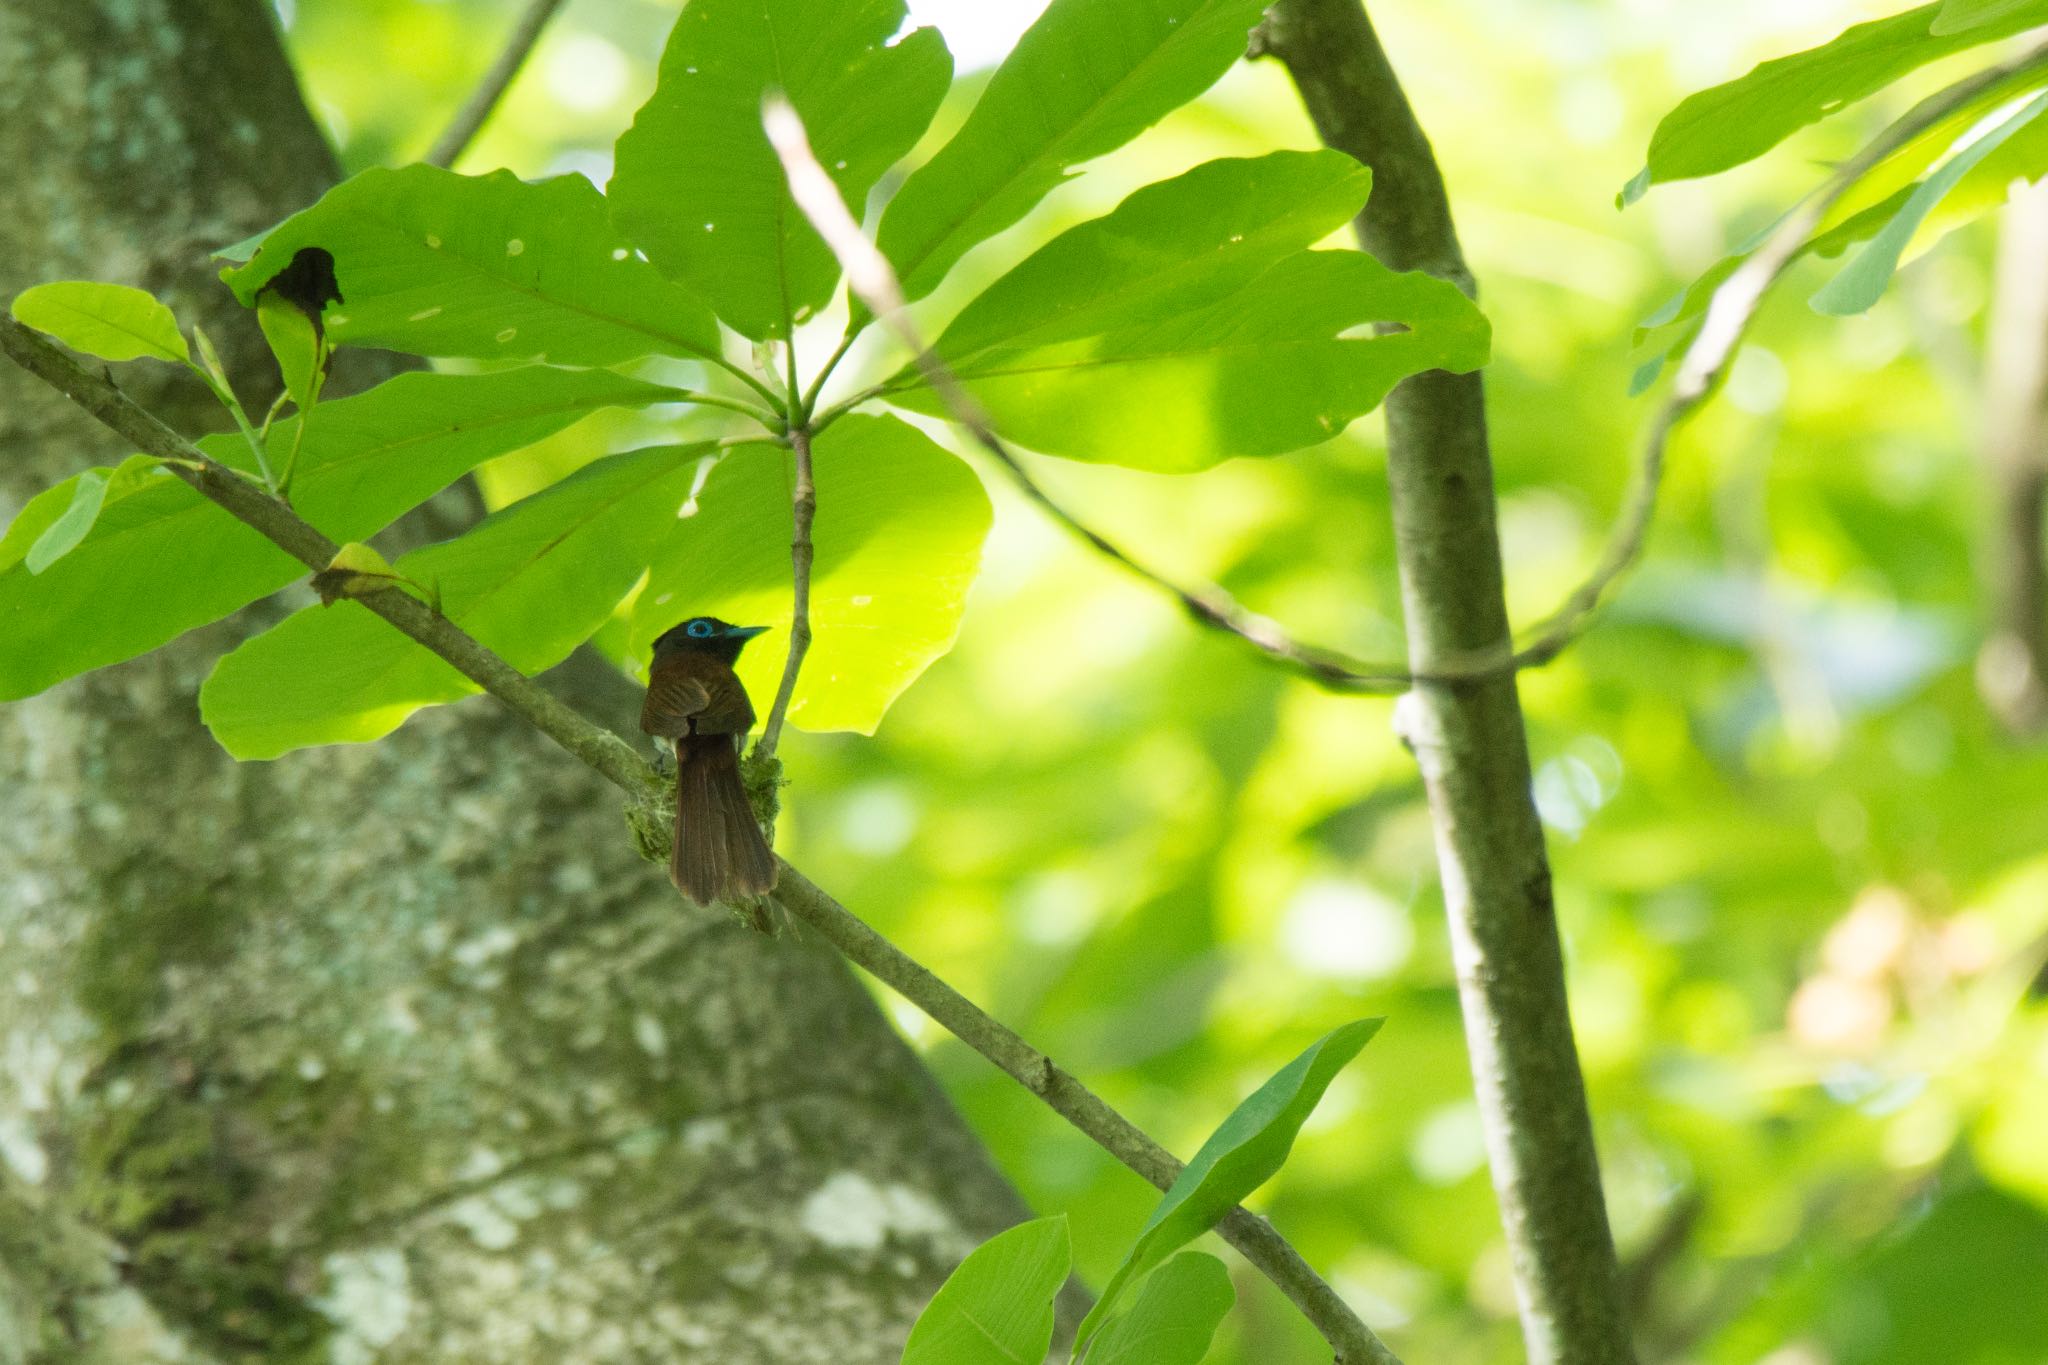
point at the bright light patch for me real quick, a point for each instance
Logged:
(978, 32)
(1346, 930)
(878, 820)
(585, 72)
(1449, 1144)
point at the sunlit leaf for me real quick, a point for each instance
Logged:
(1171, 247)
(1863, 280)
(1286, 361)
(164, 559)
(111, 321)
(488, 267)
(531, 582)
(1086, 78)
(898, 540)
(1729, 124)
(697, 186)
(996, 1306)
(1175, 1317)
(1241, 1155)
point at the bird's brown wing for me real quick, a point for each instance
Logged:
(694, 694)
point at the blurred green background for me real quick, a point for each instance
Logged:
(1803, 877)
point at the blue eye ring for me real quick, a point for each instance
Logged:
(699, 629)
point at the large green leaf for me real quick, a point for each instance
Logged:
(163, 559)
(1738, 121)
(996, 1306)
(1286, 361)
(898, 539)
(487, 267)
(1860, 283)
(1171, 247)
(699, 189)
(532, 582)
(111, 321)
(1175, 1317)
(1239, 1156)
(1086, 78)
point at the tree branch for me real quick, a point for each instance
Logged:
(1252, 1235)
(476, 111)
(1468, 737)
(804, 509)
(619, 763)
(276, 521)
(1469, 740)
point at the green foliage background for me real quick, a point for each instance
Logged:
(1798, 869)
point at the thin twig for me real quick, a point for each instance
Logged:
(619, 763)
(1728, 315)
(803, 500)
(1729, 312)
(463, 128)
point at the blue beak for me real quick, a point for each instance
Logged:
(743, 632)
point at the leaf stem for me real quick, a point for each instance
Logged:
(804, 510)
(769, 396)
(276, 406)
(817, 387)
(315, 384)
(769, 420)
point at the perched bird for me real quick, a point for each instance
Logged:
(695, 699)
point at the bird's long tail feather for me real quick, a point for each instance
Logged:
(720, 854)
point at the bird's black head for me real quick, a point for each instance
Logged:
(705, 635)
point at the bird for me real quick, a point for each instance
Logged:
(695, 700)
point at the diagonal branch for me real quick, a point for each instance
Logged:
(276, 521)
(1252, 1235)
(619, 763)
(477, 110)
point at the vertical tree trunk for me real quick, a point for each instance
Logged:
(393, 1051)
(1468, 738)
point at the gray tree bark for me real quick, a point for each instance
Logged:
(394, 1051)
